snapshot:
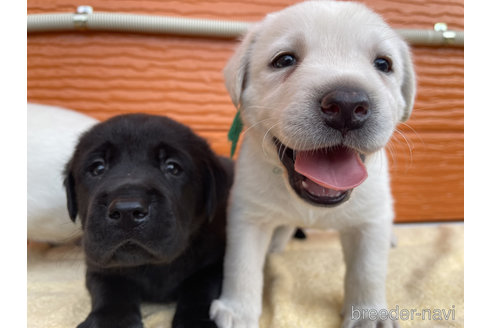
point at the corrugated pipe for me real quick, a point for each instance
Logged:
(86, 19)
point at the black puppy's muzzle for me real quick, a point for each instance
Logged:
(128, 212)
(127, 208)
(130, 224)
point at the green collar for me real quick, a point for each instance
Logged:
(234, 132)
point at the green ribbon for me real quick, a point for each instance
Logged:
(235, 131)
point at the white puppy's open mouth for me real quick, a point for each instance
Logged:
(324, 176)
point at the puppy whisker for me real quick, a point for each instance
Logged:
(257, 123)
(390, 150)
(408, 126)
(408, 144)
(265, 136)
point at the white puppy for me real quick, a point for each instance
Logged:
(52, 133)
(320, 87)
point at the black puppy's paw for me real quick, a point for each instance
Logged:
(189, 322)
(112, 321)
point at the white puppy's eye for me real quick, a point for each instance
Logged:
(284, 60)
(383, 64)
(97, 168)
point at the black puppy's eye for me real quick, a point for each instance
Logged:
(97, 168)
(383, 64)
(284, 60)
(172, 168)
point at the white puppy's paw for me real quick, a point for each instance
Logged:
(367, 323)
(368, 317)
(364, 322)
(227, 315)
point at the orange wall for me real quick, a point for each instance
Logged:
(105, 74)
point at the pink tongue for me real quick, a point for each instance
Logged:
(338, 168)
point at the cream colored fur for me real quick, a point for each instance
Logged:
(52, 133)
(336, 43)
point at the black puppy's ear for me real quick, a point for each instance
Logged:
(69, 184)
(217, 185)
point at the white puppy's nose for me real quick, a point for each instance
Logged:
(345, 109)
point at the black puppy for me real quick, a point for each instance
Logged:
(151, 196)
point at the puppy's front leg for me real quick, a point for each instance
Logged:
(365, 249)
(195, 296)
(115, 302)
(281, 236)
(239, 305)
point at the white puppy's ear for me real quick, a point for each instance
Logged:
(236, 70)
(408, 87)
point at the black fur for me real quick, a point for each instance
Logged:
(172, 249)
(300, 234)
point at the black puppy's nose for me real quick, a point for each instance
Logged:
(345, 109)
(128, 210)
